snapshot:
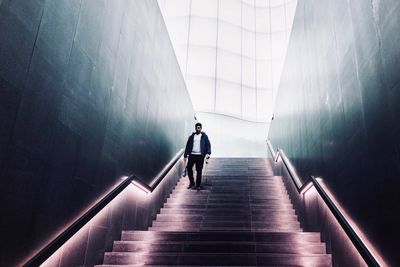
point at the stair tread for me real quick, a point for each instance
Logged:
(166, 242)
(223, 235)
(227, 259)
(218, 254)
(219, 247)
(242, 216)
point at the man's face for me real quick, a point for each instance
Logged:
(198, 129)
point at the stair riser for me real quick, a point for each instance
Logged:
(227, 224)
(223, 260)
(221, 237)
(257, 185)
(225, 205)
(226, 193)
(304, 249)
(226, 229)
(226, 217)
(271, 213)
(216, 186)
(233, 199)
(242, 216)
(251, 202)
(222, 220)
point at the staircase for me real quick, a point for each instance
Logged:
(241, 217)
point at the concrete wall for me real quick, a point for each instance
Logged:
(132, 209)
(90, 91)
(338, 108)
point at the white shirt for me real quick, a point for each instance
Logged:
(196, 144)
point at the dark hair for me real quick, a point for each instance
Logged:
(198, 124)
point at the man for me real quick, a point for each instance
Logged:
(197, 147)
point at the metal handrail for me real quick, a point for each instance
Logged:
(341, 219)
(160, 176)
(57, 242)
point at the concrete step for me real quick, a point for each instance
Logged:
(194, 228)
(247, 224)
(222, 236)
(242, 216)
(192, 194)
(270, 212)
(231, 201)
(219, 247)
(224, 218)
(226, 205)
(219, 259)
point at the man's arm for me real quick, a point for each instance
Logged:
(187, 152)
(208, 145)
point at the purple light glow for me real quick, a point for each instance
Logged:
(78, 243)
(306, 188)
(313, 193)
(142, 188)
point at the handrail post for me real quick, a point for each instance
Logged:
(271, 149)
(292, 171)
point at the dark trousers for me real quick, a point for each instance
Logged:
(199, 161)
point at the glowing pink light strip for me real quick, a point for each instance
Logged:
(167, 167)
(306, 188)
(310, 184)
(355, 227)
(141, 187)
(43, 258)
(70, 231)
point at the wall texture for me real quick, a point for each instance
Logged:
(338, 107)
(132, 209)
(90, 91)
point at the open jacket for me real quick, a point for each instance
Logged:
(205, 145)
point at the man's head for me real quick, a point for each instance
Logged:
(198, 127)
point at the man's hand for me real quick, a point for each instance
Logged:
(207, 157)
(184, 159)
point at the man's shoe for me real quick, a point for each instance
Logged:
(196, 188)
(190, 186)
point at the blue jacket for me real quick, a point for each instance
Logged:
(205, 145)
